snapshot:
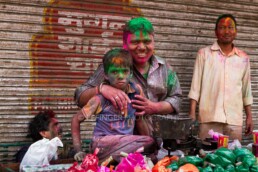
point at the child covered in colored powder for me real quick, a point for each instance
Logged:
(113, 132)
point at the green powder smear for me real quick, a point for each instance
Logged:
(139, 24)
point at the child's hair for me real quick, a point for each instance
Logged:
(117, 57)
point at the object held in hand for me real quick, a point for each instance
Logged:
(79, 156)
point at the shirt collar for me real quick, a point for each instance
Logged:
(216, 47)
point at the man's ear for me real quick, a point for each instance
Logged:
(43, 134)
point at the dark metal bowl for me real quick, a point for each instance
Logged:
(171, 126)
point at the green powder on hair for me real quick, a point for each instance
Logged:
(140, 24)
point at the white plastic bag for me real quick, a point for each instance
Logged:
(41, 152)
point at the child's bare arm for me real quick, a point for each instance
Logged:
(92, 108)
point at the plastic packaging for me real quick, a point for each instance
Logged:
(217, 160)
(214, 135)
(218, 168)
(132, 161)
(187, 168)
(197, 161)
(163, 163)
(41, 152)
(226, 153)
(90, 163)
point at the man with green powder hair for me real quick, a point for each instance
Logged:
(160, 84)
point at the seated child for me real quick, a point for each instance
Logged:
(113, 132)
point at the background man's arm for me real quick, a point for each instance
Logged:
(193, 104)
(249, 120)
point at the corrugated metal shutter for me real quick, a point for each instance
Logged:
(48, 48)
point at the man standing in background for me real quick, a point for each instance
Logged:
(221, 84)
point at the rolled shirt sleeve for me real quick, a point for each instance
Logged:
(174, 96)
(246, 90)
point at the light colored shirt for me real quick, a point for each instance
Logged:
(221, 84)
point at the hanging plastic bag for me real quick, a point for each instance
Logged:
(41, 152)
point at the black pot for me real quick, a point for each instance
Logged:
(171, 126)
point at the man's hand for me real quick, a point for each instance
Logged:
(79, 156)
(117, 97)
(249, 126)
(144, 106)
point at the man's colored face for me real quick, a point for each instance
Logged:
(141, 46)
(54, 129)
(118, 76)
(226, 31)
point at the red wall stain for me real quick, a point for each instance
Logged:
(74, 39)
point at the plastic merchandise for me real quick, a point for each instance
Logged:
(207, 169)
(235, 144)
(132, 162)
(163, 163)
(248, 160)
(214, 135)
(197, 161)
(230, 168)
(218, 168)
(89, 163)
(187, 168)
(105, 169)
(226, 153)
(242, 168)
(239, 152)
(254, 168)
(41, 152)
(217, 160)
(173, 166)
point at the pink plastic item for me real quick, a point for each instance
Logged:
(214, 135)
(132, 161)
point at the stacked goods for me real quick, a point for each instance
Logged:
(222, 160)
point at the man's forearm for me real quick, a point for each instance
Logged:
(86, 96)
(163, 107)
(193, 104)
(248, 112)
